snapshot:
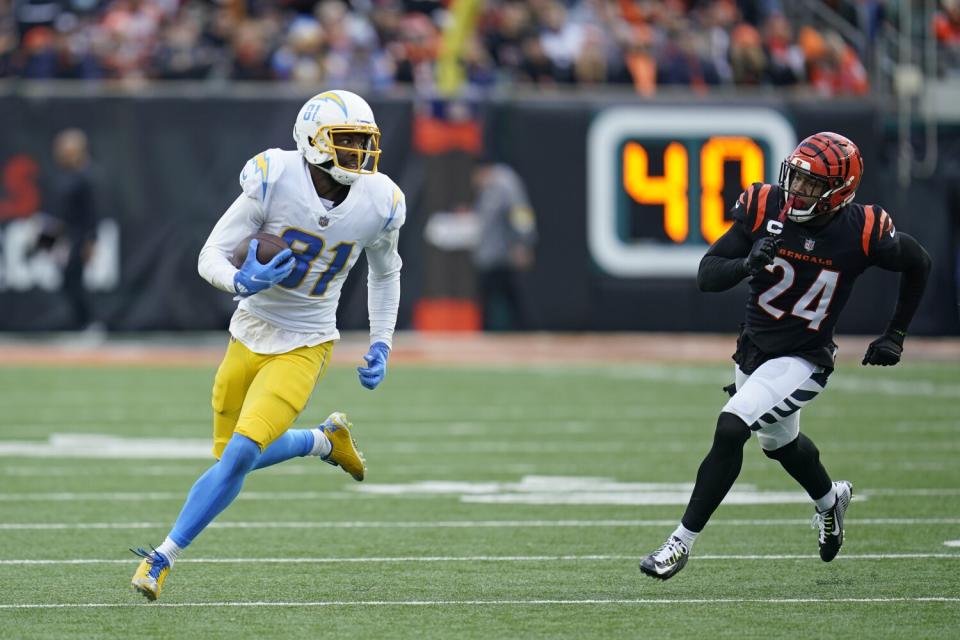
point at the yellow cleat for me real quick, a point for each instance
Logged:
(151, 573)
(344, 452)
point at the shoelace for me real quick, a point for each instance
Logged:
(824, 522)
(157, 561)
(352, 440)
(670, 551)
(328, 427)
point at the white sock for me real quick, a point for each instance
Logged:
(828, 500)
(170, 549)
(686, 536)
(321, 444)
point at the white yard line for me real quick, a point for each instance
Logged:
(938, 492)
(484, 603)
(409, 414)
(116, 468)
(173, 495)
(840, 381)
(454, 559)
(118, 496)
(464, 524)
(192, 448)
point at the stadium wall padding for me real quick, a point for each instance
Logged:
(167, 168)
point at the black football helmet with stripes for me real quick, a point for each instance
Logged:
(820, 176)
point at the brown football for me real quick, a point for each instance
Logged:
(269, 246)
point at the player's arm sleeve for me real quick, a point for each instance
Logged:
(383, 286)
(244, 217)
(907, 256)
(722, 267)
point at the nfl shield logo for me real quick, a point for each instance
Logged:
(324, 221)
(808, 244)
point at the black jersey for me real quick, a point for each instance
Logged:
(795, 301)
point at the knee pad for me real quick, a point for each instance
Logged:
(731, 429)
(800, 444)
(782, 452)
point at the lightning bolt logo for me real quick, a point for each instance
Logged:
(334, 98)
(263, 168)
(397, 196)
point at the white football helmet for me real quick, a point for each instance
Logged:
(333, 112)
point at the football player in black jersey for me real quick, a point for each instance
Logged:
(802, 243)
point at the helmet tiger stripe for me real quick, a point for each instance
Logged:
(828, 160)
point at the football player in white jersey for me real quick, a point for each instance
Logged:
(329, 203)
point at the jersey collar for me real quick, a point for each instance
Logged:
(317, 208)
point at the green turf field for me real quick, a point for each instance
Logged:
(499, 503)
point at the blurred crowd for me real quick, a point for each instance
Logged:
(380, 43)
(946, 28)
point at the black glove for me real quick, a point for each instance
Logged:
(885, 350)
(763, 252)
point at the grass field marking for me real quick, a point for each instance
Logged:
(484, 603)
(101, 446)
(461, 524)
(631, 494)
(305, 468)
(932, 492)
(95, 445)
(844, 382)
(172, 495)
(574, 490)
(51, 413)
(113, 447)
(432, 559)
(200, 449)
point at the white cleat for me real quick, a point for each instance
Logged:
(830, 522)
(667, 561)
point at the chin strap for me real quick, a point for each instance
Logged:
(787, 206)
(328, 168)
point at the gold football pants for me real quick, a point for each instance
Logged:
(259, 396)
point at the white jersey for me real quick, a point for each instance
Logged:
(279, 198)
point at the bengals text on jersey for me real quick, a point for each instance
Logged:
(796, 300)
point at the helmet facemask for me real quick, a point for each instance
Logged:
(820, 177)
(807, 194)
(346, 163)
(320, 130)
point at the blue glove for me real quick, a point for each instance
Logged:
(253, 276)
(372, 374)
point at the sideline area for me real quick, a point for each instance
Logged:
(413, 348)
